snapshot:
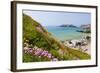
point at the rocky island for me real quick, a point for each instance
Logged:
(68, 25)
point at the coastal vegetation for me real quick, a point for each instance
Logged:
(39, 45)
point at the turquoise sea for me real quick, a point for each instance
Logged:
(64, 33)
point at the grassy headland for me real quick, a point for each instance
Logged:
(35, 35)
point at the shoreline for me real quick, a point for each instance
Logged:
(82, 44)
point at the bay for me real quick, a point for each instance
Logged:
(64, 33)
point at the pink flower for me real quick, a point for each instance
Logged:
(45, 54)
(42, 54)
(30, 51)
(54, 59)
(37, 53)
(49, 55)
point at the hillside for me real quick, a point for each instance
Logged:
(35, 37)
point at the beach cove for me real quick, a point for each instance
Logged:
(65, 33)
(70, 34)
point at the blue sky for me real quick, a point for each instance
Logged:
(51, 18)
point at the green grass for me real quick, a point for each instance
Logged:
(79, 54)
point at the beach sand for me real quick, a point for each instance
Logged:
(86, 48)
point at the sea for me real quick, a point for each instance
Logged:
(65, 33)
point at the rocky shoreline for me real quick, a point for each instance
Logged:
(83, 44)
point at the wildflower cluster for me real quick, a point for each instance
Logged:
(40, 53)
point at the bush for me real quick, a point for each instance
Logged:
(56, 54)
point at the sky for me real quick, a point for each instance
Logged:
(57, 18)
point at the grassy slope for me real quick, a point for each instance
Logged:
(43, 39)
(79, 54)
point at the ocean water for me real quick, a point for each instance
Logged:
(64, 33)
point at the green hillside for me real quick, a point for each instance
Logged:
(35, 35)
